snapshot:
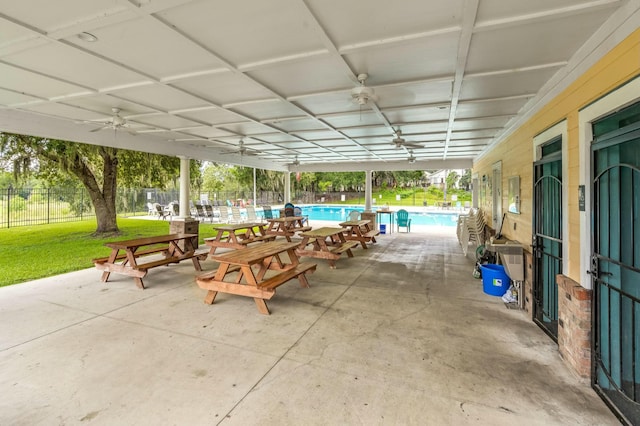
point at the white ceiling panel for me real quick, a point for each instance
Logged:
(284, 74)
(267, 110)
(224, 88)
(212, 116)
(493, 107)
(260, 31)
(302, 77)
(33, 84)
(363, 21)
(148, 46)
(555, 41)
(8, 97)
(40, 14)
(432, 57)
(161, 97)
(504, 85)
(63, 62)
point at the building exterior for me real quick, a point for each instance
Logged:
(577, 161)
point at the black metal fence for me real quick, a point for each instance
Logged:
(36, 206)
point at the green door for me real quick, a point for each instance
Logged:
(547, 236)
(615, 265)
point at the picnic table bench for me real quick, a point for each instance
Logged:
(253, 282)
(359, 231)
(238, 236)
(286, 226)
(125, 255)
(326, 243)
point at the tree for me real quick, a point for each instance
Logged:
(451, 180)
(95, 167)
(465, 180)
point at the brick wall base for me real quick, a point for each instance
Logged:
(574, 325)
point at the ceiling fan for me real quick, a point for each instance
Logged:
(116, 122)
(295, 162)
(362, 94)
(411, 159)
(242, 150)
(400, 142)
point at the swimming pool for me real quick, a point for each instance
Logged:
(339, 213)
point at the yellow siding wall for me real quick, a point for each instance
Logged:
(621, 64)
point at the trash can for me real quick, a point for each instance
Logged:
(495, 281)
(383, 228)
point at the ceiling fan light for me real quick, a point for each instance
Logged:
(88, 37)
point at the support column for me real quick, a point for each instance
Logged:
(287, 187)
(184, 223)
(254, 186)
(368, 193)
(184, 187)
(367, 214)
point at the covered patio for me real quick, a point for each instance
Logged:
(399, 334)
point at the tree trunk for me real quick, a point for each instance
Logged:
(103, 199)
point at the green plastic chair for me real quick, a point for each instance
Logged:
(403, 220)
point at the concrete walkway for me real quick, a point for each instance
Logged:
(399, 334)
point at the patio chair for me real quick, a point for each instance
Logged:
(200, 213)
(289, 211)
(297, 211)
(403, 220)
(152, 209)
(267, 213)
(235, 215)
(162, 213)
(174, 209)
(210, 213)
(224, 214)
(354, 215)
(251, 214)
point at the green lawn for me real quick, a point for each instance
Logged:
(31, 252)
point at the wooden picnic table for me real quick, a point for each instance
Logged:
(252, 282)
(360, 231)
(238, 236)
(125, 255)
(326, 243)
(286, 226)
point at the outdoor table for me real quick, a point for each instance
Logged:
(326, 243)
(360, 231)
(286, 226)
(237, 236)
(267, 257)
(126, 262)
(391, 214)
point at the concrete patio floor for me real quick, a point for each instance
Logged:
(399, 334)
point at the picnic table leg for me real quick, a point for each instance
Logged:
(262, 306)
(139, 282)
(251, 280)
(211, 296)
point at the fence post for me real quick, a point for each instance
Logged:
(48, 205)
(9, 207)
(81, 202)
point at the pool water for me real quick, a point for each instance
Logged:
(341, 213)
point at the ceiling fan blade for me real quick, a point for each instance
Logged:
(100, 128)
(412, 145)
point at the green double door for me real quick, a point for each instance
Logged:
(615, 261)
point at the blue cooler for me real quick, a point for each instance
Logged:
(495, 281)
(383, 228)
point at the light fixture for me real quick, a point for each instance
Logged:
(88, 37)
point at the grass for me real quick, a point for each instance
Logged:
(32, 252)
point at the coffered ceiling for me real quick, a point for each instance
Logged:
(274, 84)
